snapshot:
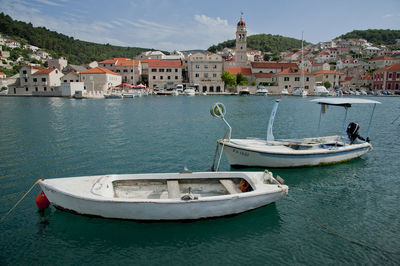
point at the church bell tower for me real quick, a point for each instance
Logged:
(241, 43)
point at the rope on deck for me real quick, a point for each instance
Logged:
(333, 232)
(19, 201)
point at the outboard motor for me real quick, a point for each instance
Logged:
(352, 132)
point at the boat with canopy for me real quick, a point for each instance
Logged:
(305, 152)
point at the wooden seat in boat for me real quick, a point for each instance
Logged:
(173, 189)
(230, 186)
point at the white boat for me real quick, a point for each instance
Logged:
(174, 93)
(284, 92)
(299, 91)
(164, 196)
(244, 92)
(190, 92)
(261, 91)
(285, 153)
(319, 90)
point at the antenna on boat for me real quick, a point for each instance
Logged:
(270, 135)
(219, 110)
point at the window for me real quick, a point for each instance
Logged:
(306, 87)
(26, 89)
(26, 80)
(154, 70)
(161, 70)
(71, 80)
(169, 70)
(118, 71)
(206, 66)
(161, 77)
(176, 77)
(215, 67)
(297, 79)
(125, 70)
(214, 75)
(44, 79)
(154, 77)
(83, 78)
(398, 75)
(65, 80)
(307, 78)
(211, 88)
(176, 70)
(218, 89)
(24, 72)
(196, 75)
(286, 78)
(206, 75)
(35, 80)
(131, 70)
(36, 89)
(197, 66)
(169, 77)
(45, 89)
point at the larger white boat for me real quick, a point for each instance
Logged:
(190, 92)
(261, 91)
(304, 152)
(320, 90)
(164, 196)
(299, 91)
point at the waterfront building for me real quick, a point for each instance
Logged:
(387, 78)
(129, 69)
(164, 74)
(328, 75)
(34, 80)
(72, 76)
(205, 72)
(290, 78)
(98, 80)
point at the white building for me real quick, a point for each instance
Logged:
(205, 72)
(98, 80)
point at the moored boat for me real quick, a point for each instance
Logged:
(164, 196)
(285, 153)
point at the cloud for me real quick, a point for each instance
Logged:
(49, 2)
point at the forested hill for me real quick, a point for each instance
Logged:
(76, 51)
(376, 37)
(264, 43)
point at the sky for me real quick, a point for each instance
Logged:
(197, 24)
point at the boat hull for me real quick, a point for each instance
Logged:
(168, 209)
(240, 156)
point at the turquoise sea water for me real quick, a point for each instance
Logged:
(54, 137)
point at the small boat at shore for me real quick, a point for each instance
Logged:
(164, 196)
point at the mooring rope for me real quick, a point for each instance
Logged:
(333, 232)
(19, 201)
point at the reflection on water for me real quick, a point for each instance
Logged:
(53, 137)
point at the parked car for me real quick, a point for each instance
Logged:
(370, 93)
(397, 92)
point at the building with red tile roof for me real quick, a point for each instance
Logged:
(387, 78)
(129, 69)
(381, 62)
(99, 80)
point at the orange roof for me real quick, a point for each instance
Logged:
(127, 62)
(165, 63)
(44, 71)
(348, 78)
(237, 70)
(1, 73)
(323, 53)
(108, 61)
(99, 70)
(328, 72)
(382, 58)
(275, 65)
(391, 67)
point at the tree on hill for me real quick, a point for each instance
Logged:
(374, 36)
(76, 51)
(262, 42)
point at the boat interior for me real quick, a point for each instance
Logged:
(186, 189)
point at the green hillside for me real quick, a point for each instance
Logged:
(374, 36)
(264, 43)
(76, 51)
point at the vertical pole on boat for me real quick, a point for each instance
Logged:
(370, 120)
(344, 125)
(319, 121)
(270, 135)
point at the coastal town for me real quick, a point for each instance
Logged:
(353, 66)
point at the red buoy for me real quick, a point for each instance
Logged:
(41, 201)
